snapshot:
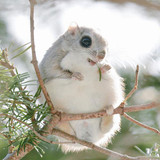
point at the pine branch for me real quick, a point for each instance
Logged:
(35, 132)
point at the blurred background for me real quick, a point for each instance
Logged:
(132, 30)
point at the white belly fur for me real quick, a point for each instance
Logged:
(86, 96)
(74, 96)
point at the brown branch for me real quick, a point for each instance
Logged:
(133, 89)
(99, 149)
(70, 117)
(141, 124)
(5, 64)
(119, 110)
(34, 58)
(60, 117)
(85, 143)
(21, 153)
(135, 85)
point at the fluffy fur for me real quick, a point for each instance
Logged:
(70, 95)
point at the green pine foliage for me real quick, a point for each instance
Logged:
(17, 101)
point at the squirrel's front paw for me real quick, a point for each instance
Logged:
(105, 68)
(77, 76)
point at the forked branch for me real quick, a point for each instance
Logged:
(135, 86)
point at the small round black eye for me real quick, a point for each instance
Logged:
(86, 41)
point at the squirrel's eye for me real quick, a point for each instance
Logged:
(86, 41)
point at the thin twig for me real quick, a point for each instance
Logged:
(6, 65)
(34, 58)
(141, 124)
(135, 86)
(133, 89)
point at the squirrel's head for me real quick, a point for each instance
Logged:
(82, 40)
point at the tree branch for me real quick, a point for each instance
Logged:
(135, 86)
(34, 58)
(119, 110)
(141, 124)
(99, 149)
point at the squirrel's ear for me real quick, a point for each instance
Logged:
(73, 28)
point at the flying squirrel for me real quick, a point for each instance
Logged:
(79, 79)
